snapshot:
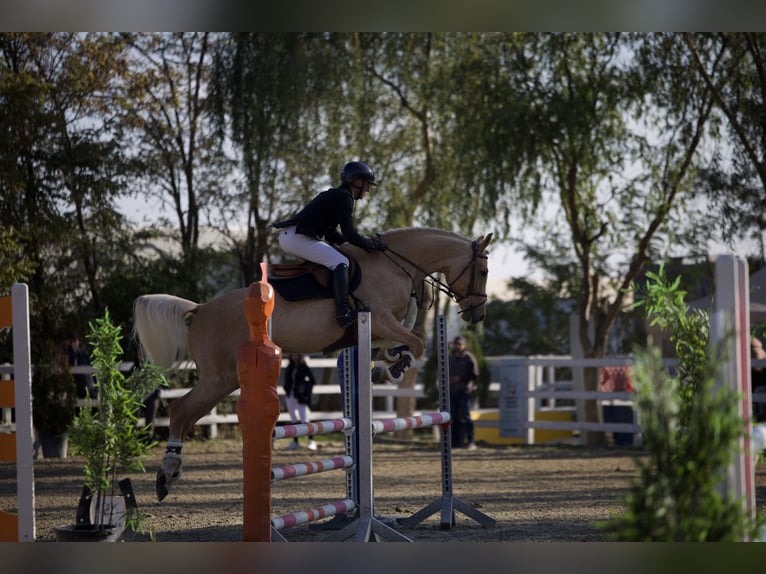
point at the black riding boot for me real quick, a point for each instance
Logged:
(343, 312)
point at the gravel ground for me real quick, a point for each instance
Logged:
(533, 494)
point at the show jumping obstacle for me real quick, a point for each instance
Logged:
(17, 394)
(358, 428)
(730, 325)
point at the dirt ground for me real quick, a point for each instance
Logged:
(532, 493)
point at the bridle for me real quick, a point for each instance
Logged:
(447, 288)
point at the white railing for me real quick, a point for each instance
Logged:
(533, 380)
(536, 378)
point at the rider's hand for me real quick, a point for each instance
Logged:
(378, 244)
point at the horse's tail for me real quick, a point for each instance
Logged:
(159, 325)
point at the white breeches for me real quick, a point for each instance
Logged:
(299, 413)
(305, 247)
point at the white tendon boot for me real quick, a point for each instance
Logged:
(395, 372)
(170, 470)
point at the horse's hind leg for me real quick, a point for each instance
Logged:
(184, 412)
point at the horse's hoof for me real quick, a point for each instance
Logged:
(393, 354)
(397, 370)
(379, 375)
(161, 485)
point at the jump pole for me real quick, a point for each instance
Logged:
(730, 323)
(365, 526)
(448, 503)
(338, 511)
(17, 394)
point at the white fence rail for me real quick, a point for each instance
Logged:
(536, 383)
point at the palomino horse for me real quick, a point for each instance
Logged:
(168, 326)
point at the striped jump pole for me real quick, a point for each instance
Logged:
(365, 526)
(416, 422)
(316, 513)
(317, 427)
(302, 469)
(17, 394)
(338, 510)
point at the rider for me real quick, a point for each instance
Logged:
(301, 236)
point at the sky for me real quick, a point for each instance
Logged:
(505, 261)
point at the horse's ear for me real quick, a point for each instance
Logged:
(484, 241)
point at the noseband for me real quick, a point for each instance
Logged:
(456, 297)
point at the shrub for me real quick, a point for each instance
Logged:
(108, 435)
(691, 431)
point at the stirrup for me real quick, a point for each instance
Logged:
(346, 318)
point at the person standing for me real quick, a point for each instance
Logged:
(78, 356)
(298, 384)
(463, 374)
(312, 233)
(758, 379)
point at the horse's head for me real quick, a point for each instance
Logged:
(469, 286)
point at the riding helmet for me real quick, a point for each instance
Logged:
(355, 169)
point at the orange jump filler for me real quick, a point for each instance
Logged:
(259, 362)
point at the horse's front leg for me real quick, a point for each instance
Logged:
(385, 326)
(395, 368)
(171, 468)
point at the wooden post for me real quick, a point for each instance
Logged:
(258, 365)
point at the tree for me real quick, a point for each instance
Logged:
(606, 128)
(268, 91)
(732, 66)
(59, 169)
(177, 154)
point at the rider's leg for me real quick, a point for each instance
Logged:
(343, 312)
(320, 252)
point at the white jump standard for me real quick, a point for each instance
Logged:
(359, 429)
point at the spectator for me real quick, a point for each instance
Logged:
(298, 384)
(78, 357)
(463, 373)
(758, 380)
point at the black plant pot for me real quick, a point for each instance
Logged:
(53, 445)
(84, 530)
(85, 533)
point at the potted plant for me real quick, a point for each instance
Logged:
(106, 433)
(54, 401)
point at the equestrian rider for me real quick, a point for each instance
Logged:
(301, 236)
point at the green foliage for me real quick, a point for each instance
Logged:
(665, 306)
(54, 394)
(735, 183)
(107, 435)
(689, 438)
(13, 267)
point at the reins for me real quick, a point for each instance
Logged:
(436, 283)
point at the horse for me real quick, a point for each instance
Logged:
(168, 328)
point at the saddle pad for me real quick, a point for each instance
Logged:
(306, 285)
(299, 288)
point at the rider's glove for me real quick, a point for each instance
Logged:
(378, 244)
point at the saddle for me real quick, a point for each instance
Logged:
(309, 280)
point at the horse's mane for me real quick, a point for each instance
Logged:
(419, 230)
